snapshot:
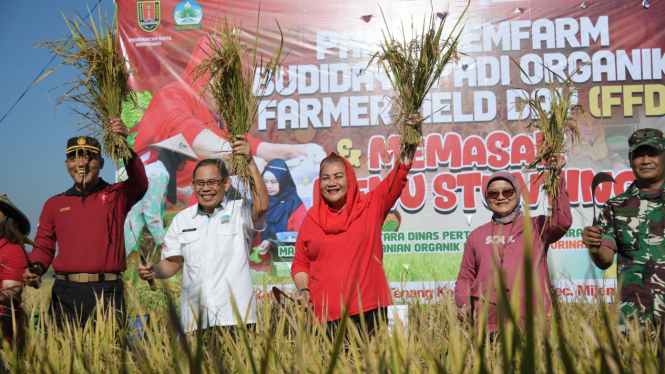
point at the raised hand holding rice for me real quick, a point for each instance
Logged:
(413, 68)
(242, 148)
(557, 124)
(102, 84)
(232, 81)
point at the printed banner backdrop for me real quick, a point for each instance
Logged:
(327, 99)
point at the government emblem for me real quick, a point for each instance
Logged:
(149, 15)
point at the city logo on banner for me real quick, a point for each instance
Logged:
(187, 16)
(149, 15)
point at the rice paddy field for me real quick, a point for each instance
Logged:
(582, 338)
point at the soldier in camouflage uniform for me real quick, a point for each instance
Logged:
(632, 225)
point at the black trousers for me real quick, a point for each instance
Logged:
(77, 302)
(371, 317)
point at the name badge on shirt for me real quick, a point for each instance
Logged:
(226, 218)
(627, 212)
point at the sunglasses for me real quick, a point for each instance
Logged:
(507, 193)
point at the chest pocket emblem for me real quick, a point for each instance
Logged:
(225, 218)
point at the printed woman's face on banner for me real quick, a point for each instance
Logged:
(272, 184)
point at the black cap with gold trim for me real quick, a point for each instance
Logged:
(83, 143)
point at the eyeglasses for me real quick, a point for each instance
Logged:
(210, 183)
(507, 193)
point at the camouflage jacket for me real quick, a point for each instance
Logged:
(633, 227)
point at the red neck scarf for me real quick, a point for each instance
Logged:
(355, 204)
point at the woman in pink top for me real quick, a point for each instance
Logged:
(498, 246)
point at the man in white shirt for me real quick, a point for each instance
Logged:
(213, 239)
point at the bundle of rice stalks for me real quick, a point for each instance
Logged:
(231, 69)
(414, 67)
(102, 84)
(558, 125)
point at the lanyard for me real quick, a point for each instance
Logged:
(496, 246)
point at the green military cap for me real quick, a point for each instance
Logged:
(651, 137)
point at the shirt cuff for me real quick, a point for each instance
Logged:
(404, 167)
(262, 224)
(609, 243)
(170, 252)
(295, 269)
(37, 263)
(461, 299)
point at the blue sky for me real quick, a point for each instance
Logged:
(34, 135)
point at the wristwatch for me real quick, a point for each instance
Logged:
(300, 291)
(461, 306)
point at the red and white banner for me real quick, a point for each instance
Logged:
(326, 99)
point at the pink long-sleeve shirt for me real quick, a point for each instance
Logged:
(481, 260)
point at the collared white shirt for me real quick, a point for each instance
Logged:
(216, 251)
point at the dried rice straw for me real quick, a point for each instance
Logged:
(414, 67)
(557, 124)
(231, 83)
(102, 84)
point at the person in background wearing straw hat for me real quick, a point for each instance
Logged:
(14, 227)
(86, 222)
(173, 154)
(213, 240)
(494, 252)
(632, 226)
